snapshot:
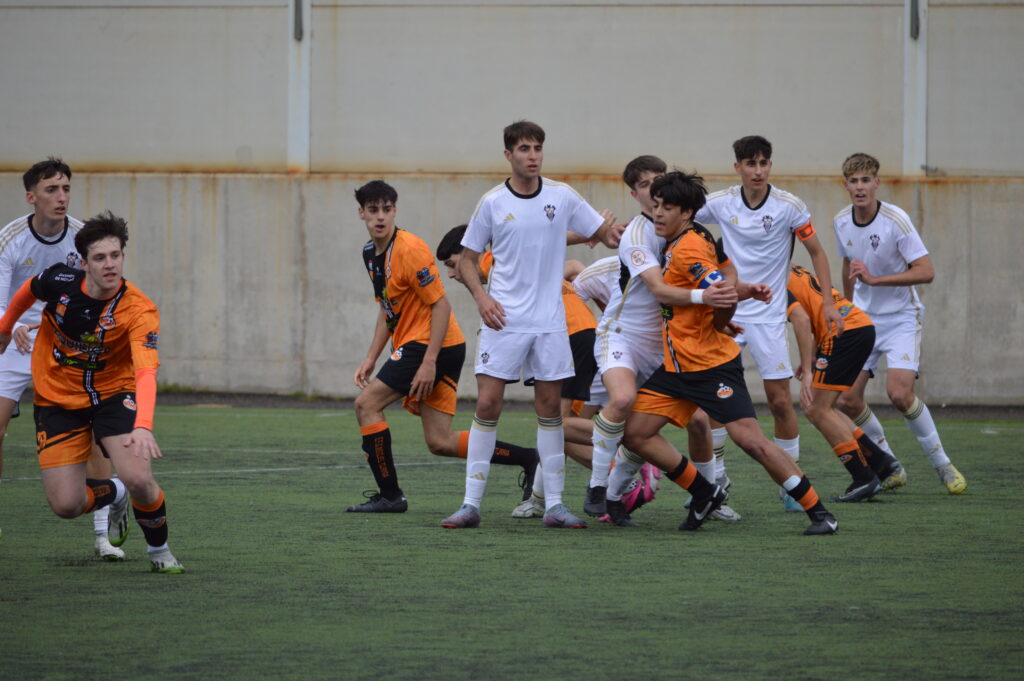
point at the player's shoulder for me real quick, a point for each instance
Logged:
(13, 232)
(406, 241)
(599, 268)
(490, 196)
(787, 198)
(844, 215)
(75, 224)
(138, 298)
(698, 233)
(897, 216)
(638, 231)
(562, 187)
(727, 194)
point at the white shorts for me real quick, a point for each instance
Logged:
(898, 337)
(640, 354)
(769, 348)
(15, 373)
(511, 356)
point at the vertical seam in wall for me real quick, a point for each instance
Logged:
(303, 255)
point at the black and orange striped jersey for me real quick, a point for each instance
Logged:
(690, 339)
(578, 316)
(804, 290)
(406, 283)
(89, 349)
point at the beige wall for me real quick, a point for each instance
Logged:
(260, 283)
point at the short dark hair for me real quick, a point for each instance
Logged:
(376, 191)
(522, 130)
(680, 189)
(44, 170)
(640, 165)
(104, 225)
(451, 243)
(750, 146)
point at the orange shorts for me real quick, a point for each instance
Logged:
(678, 411)
(443, 399)
(64, 436)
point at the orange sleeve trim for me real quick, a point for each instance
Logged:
(152, 507)
(145, 397)
(373, 428)
(806, 232)
(22, 301)
(846, 447)
(463, 447)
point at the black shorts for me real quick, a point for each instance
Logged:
(840, 360)
(578, 387)
(720, 391)
(64, 436)
(401, 367)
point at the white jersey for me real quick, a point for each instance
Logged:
(759, 241)
(886, 245)
(24, 253)
(632, 308)
(598, 280)
(527, 235)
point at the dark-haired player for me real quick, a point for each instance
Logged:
(702, 366)
(428, 350)
(94, 369)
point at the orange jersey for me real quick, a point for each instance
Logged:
(578, 316)
(690, 339)
(89, 349)
(805, 290)
(406, 284)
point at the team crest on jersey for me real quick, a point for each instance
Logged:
(638, 258)
(107, 322)
(844, 310)
(129, 403)
(424, 276)
(766, 222)
(724, 391)
(875, 240)
(549, 210)
(697, 270)
(397, 354)
(72, 259)
(151, 340)
(484, 357)
(821, 364)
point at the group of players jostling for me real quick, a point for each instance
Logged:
(677, 309)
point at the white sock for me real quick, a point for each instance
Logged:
(706, 469)
(718, 436)
(99, 521)
(791, 447)
(872, 427)
(605, 439)
(919, 420)
(551, 450)
(154, 549)
(538, 483)
(483, 435)
(627, 464)
(121, 490)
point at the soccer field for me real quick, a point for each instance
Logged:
(281, 583)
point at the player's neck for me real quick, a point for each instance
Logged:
(97, 292)
(862, 215)
(381, 244)
(754, 196)
(44, 227)
(526, 186)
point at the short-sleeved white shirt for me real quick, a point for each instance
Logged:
(24, 253)
(759, 241)
(597, 281)
(527, 235)
(886, 245)
(632, 308)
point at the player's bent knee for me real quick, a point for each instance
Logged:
(67, 508)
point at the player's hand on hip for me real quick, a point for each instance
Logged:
(23, 338)
(491, 312)
(142, 444)
(834, 320)
(721, 294)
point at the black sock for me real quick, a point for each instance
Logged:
(153, 521)
(103, 493)
(508, 454)
(878, 459)
(377, 447)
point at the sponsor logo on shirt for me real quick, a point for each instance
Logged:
(424, 276)
(724, 391)
(151, 340)
(844, 310)
(549, 210)
(509, 218)
(107, 322)
(62, 307)
(129, 403)
(64, 277)
(28, 262)
(697, 270)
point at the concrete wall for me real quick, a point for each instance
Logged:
(261, 288)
